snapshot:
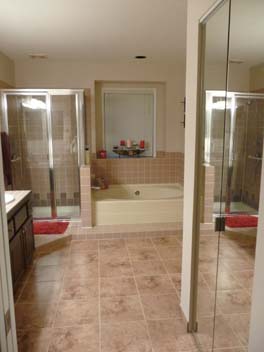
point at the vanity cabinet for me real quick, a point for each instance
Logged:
(17, 257)
(21, 237)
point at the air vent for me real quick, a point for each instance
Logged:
(237, 62)
(140, 57)
(38, 56)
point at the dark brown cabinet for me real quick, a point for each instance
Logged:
(21, 239)
(17, 257)
(28, 239)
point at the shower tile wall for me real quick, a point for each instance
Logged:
(248, 143)
(64, 135)
(167, 167)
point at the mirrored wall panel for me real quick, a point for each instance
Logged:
(232, 130)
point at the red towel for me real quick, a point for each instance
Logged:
(6, 152)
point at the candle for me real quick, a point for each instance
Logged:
(142, 144)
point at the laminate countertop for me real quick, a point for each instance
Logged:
(20, 196)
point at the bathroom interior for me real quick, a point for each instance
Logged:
(93, 160)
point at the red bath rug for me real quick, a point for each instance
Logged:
(50, 227)
(242, 221)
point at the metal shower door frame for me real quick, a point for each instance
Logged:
(48, 93)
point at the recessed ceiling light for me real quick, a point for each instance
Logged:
(140, 57)
(38, 56)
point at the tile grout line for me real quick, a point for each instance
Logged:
(139, 297)
(166, 270)
(60, 297)
(61, 290)
(17, 301)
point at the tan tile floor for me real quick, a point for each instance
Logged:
(116, 295)
(122, 295)
(232, 300)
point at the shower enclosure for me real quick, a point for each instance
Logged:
(46, 133)
(244, 124)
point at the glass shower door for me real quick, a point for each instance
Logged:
(28, 133)
(46, 134)
(64, 122)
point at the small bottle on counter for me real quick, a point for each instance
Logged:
(129, 143)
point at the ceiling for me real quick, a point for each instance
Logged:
(246, 33)
(94, 30)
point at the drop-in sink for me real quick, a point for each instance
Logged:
(9, 198)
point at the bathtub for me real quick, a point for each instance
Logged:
(138, 204)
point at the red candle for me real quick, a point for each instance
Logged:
(142, 144)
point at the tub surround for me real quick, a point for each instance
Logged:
(78, 232)
(86, 196)
(167, 167)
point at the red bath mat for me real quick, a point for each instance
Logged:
(242, 221)
(50, 227)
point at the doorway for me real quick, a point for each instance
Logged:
(46, 133)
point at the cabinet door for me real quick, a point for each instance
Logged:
(17, 257)
(28, 241)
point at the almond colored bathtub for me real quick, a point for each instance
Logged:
(138, 204)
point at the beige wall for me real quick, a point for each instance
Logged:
(238, 80)
(7, 71)
(67, 74)
(195, 9)
(257, 78)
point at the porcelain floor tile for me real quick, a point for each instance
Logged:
(155, 285)
(121, 309)
(34, 316)
(161, 307)
(75, 339)
(36, 340)
(129, 337)
(118, 286)
(71, 313)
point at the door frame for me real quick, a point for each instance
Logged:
(8, 338)
(192, 323)
(48, 93)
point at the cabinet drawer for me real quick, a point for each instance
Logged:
(20, 217)
(11, 229)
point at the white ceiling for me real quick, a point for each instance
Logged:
(246, 33)
(94, 30)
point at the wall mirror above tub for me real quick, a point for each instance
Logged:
(130, 114)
